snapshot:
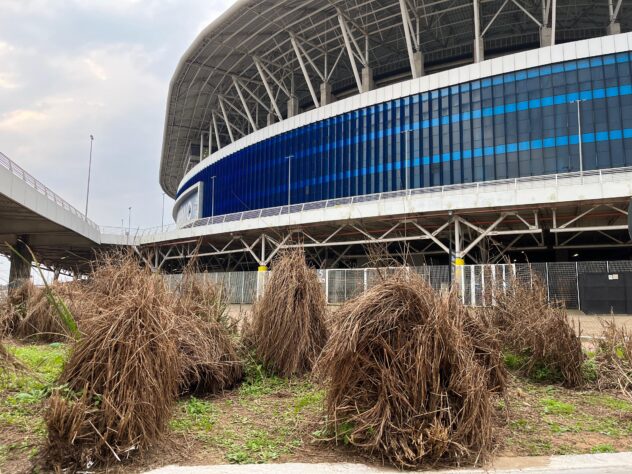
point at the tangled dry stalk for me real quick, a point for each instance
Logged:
(141, 345)
(614, 358)
(30, 316)
(288, 330)
(211, 363)
(405, 378)
(532, 327)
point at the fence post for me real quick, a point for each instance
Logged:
(579, 304)
(366, 280)
(243, 283)
(548, 284)
(327, 286)
(472, 286)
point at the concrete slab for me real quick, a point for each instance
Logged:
(617, 463)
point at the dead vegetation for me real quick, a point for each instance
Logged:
(539, 331)
(404, 378)
(29, 314)
(288, 330)
(614, 358)
(140, 346)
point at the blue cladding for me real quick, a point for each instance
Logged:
(511, 125)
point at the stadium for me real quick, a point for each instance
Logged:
(472, 131)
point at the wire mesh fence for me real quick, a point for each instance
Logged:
(478, 283)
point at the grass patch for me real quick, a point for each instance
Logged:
(194, 415)
(609, 401)
(556, 407)
(603, 448)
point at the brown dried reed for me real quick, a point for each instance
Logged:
(126, 366)
(614, 358)
(287, 330)
(532, 327)
(29, 315)
(405, 378)
(211, 363)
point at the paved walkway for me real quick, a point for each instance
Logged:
(590, 325)
(619, 463)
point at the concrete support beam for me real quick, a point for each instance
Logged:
(546, 36)
(292, 106)
(479, 49)
(614, 28)
(368, 83)
(418, 58)
(20, 269)
(326, 96)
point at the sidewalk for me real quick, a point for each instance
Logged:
(618, 463)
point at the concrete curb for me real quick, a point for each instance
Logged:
(616, 463)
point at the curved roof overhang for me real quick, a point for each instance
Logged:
(243, 69)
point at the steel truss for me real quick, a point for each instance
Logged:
(487, 236)
(269, 60)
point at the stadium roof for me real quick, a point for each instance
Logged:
(241, 70)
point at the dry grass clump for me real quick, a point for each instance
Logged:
(614, 358)
(29, 314)
(126, 367)
(142, 345)
(211, 363)
(8, 362)
(531, 327)
(288, 330)
(404, 378)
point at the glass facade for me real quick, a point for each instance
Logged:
(518, 124)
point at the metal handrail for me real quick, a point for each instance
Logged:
(34, 183)
(559, 179)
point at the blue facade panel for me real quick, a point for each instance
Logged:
(512, 125)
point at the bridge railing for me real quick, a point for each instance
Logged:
(37, 185)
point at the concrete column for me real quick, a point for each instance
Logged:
(20, 270)
(613, 28)
(292, 106)
(368, 84)
(326, 96)
(546, 36)
(479, 50)
(418, 57)
(270, 120)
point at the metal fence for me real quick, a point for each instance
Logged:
(477, 282)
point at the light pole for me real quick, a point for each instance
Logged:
(162, 217)
(289, 185)
(579, 136)
(213, 196)
(406, 158)
(89, 172)
(129, 222)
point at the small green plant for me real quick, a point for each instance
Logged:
(556, 407)
(603, 448)
(514, 361)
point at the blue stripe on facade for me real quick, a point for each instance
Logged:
(511, 125)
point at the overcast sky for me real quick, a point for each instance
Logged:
(71, 68)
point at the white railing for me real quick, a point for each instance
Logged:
(19, 172)
(563, 179)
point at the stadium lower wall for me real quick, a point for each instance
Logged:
(516, 124)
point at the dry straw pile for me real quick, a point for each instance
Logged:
(29, 314)
(141, 345)
(288, 330)
(406, 379)
(614, 358)
(541, 332)
(211, 363)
